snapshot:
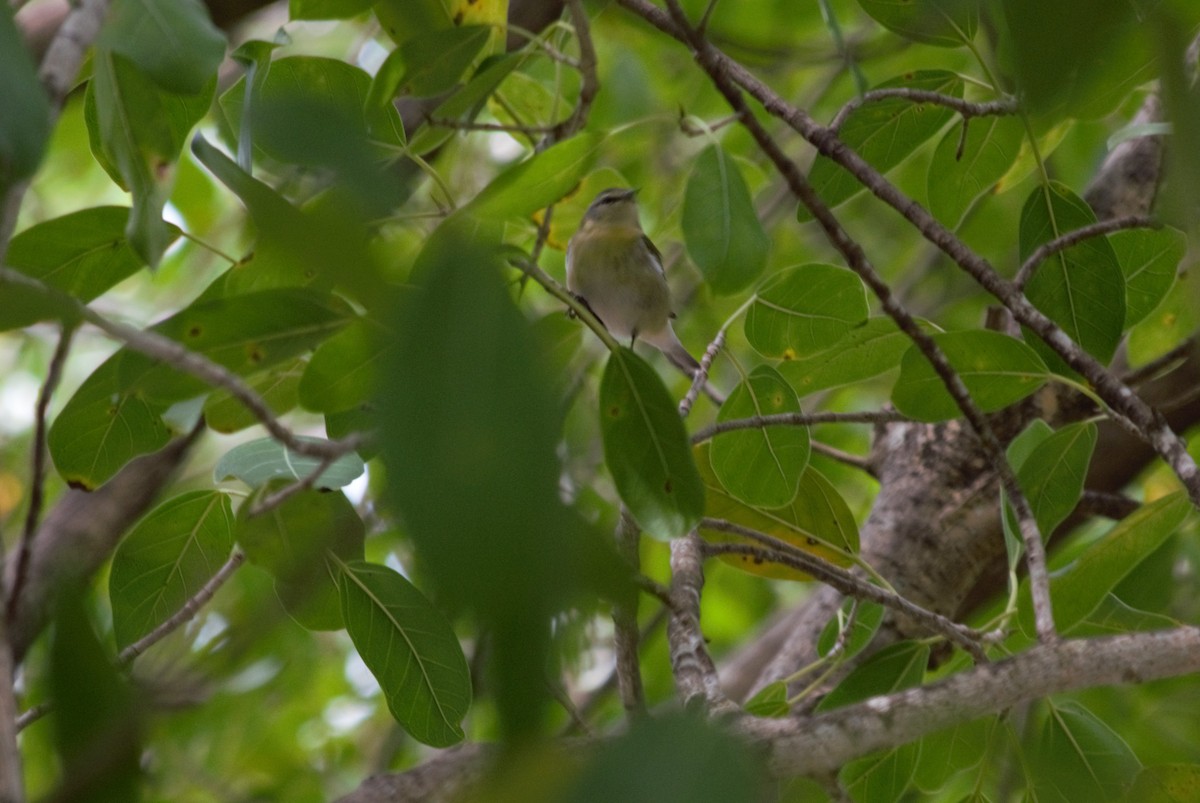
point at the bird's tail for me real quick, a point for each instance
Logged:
(668, 343)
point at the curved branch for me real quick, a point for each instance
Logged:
(1071, 238)
(966, 108)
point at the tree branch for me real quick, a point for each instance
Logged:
(817, 745)
(966, 108)
(779, 551)
(184, 359)
(695, 674)
(795, 420)
(1035, 557)
(823, 743)
(1133, 414)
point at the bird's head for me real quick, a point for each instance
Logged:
(613, 207)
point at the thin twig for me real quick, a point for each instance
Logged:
(184, 359)
(653, 588)
(700, 380)
(177, 620)
(185, 613)
(1109, 505)
(796, 420)
(1071, 238)
(775, 550)
(274, 500)
(33, 714)
(966, 108)
(606, 688)
(854, 461)
(1160, 365)
(37, 479)
(590, 83)
(710, 60)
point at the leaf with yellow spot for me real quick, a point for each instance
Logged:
(817, 521)
(761, 466)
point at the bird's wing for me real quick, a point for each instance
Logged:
(653, 249)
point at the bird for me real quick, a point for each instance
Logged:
(615, 270)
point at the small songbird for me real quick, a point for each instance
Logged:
(618, 273)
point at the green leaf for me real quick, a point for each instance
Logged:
(805, 310)
(818, 521)
(1113, 617)
(103, 427)
(137, 130)
(326, 9)
(259, 462)
(1149, 260)
(770, 701)
(1057, 63)
(1020, 447)
(83, 254)
(172, 42)
(468, 413)
(428, 65)
(884, 133)
(1080, 288)
(338, 89)
(99, 714)
(969, 751)
(465, 103)
(166, 559)
(863, 629)
(1083, 585)
(411, 650)
(410, 19)
(646, 448)
(1052, 476)
(865, 351)
(1165, 783)
(945, 23)
(894, 668)
(538, 181)
(1074, 756)
(298, 542)
(341, 373)
(708, 765)
(25, 124)
(1168, 325)
(881, 776)
(361, 419)
(761, 466)
(278, 387)
(291, 251)
(955, 181)
(997, 370)
(721, 229)
(244, 333)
